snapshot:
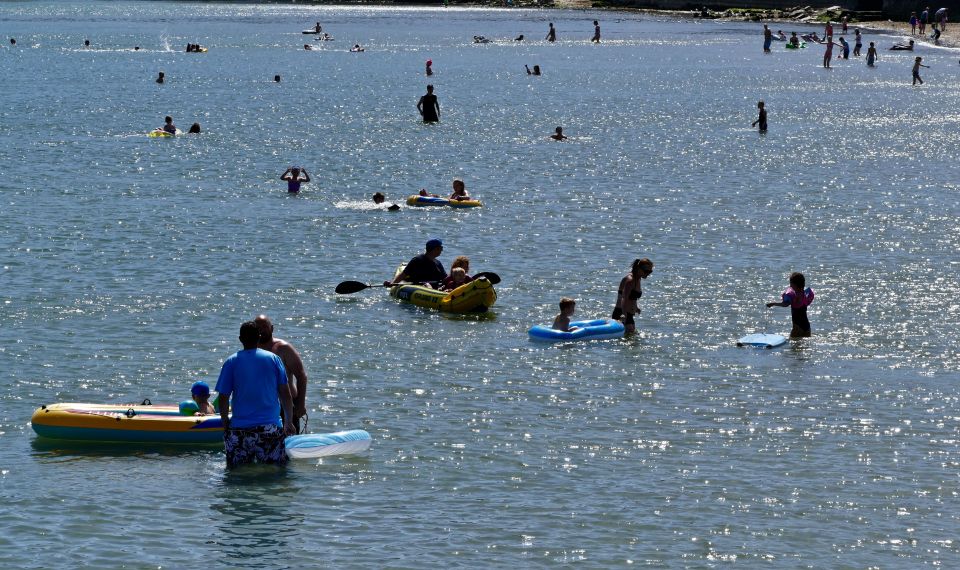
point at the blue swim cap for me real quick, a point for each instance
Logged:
(200, 389)
(434, 243)
(189, 408)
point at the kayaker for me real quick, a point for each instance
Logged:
(562, 321)
(423, 269)
(296, 373)
(200, 392)
(293, 178)
(629, 292)
(253, 383)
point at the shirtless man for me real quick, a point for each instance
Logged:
(296, 375)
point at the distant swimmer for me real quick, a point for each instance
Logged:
(160, 77)
(168, 126)
(379, 198)
(780, 37)
(798, 297)
(916, 70)
(308, 47)
(356, 48)
(536, 70)
(294, 176)
(794, 40)
(136, 48)
(872, 55)
(812, 37)
(762, 118)
(596, 32)
(519, 38)
(86, 43)
(429, 107)
(194, 129)
(429, 67)
(13, 42)
(767, 38)
(276, 79)
(552, 34)
(903, 46)
(857, 42)
(558, 135)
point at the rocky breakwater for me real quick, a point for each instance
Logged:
(805, 14)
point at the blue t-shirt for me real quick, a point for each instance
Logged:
(252, 378)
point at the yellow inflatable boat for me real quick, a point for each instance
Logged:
(125, 422)
(474, 297)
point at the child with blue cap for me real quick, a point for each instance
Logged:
(200, 404)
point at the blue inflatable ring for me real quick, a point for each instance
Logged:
(598, 329)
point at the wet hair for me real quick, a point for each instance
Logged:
(566, 302)
(249, 334)
(168, 119)
(276, 78)
(461, 261)
(194, 128)
(797, 280)
(378, 197)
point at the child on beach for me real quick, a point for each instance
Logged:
(798, 299)
(916, 70)
(562, 321)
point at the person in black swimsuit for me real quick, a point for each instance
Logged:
(552, 33)
(429, 107)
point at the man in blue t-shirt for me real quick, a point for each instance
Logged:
(424, 268)
(256, 382)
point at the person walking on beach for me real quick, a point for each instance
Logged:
(857, 42)
(916, 70)
(596, 32)
(254, 383)
(552, 34)
(872, 55)
(924, 18)
(429, 107)
(292, 363)
(767, 38)
(629, 292)
(762, 118)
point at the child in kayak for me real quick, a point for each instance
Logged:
(798, 299)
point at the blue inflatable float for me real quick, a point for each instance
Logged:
(598, 329)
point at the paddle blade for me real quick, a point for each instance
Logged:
(348, 287)
(490, 276)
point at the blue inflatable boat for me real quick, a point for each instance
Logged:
(598, 329)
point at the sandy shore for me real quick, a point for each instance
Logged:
(949, 38)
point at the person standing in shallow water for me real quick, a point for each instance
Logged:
(762, 118)
(292, 363)
(767, 38)
(552, 33)
(798, 298)
(596, 32)
(429, 107)
(872, 55)
(629, 292)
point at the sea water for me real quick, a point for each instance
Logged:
(128, 264)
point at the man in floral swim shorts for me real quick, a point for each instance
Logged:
(256, 382)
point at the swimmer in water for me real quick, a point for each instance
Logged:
(872, 55)
(356, 48)
(519, 38)
(86, 43)
(558, 135)
(276, 79)
(160, 77)
(194, 129)
(294, 177)
(307, 47)
(136, 48)
(429, 107)
(379, 198)
(794, 40)
(424, 193)
(168, 126)
(762, 118)
(596, 32)
(903, 46)
(562, 321)
(429, 71)
(536, 70)
(781, 37)
(459, 190)
(798, 297)
(13, 42)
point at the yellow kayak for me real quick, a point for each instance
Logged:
(474, 297)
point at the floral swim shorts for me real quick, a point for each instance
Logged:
(260, 444)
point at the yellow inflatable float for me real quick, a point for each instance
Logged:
(474, 297)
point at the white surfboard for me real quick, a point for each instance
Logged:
(761, 340)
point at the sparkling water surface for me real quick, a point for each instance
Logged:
(128, 264)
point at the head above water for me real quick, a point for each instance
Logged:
(379, 198)
(249, 335)
(276, 78)
(168, 119)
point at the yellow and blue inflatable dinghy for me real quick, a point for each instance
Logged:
(126, 422)
(474, 297)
